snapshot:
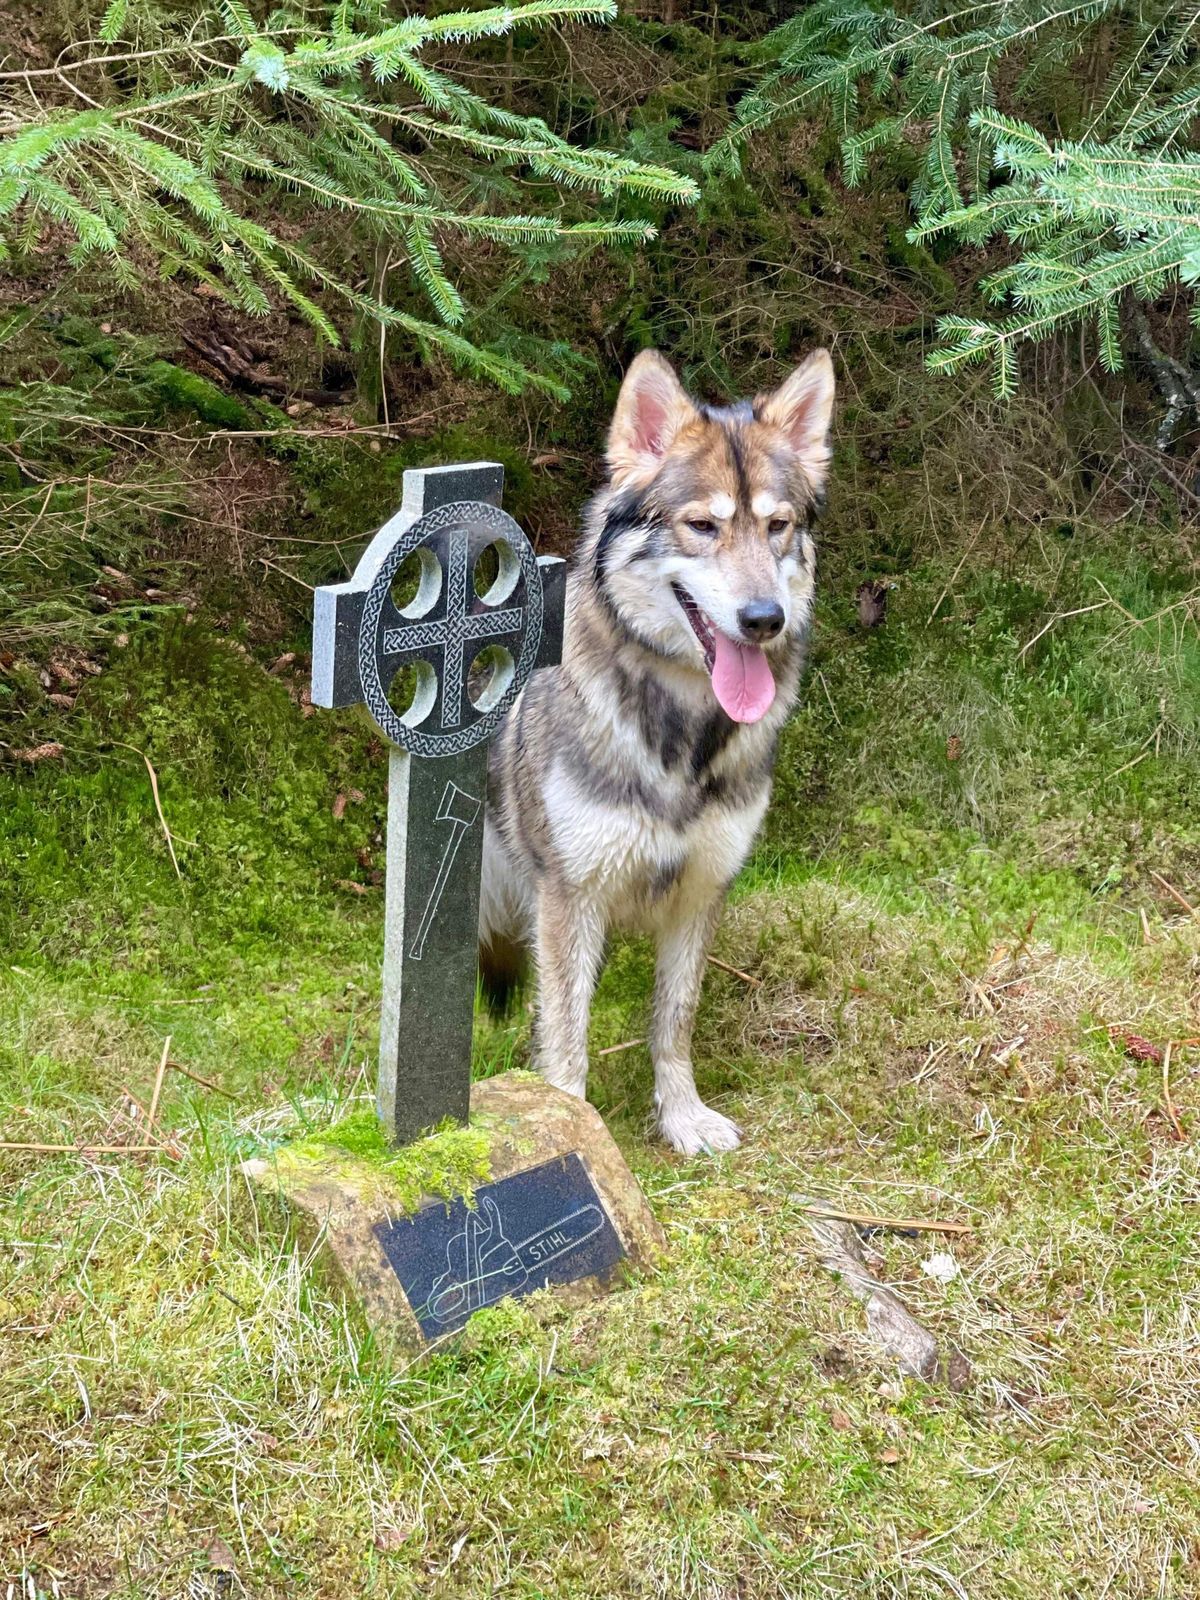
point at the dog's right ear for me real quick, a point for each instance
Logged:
(651, 409)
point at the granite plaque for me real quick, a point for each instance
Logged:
(535, 1228)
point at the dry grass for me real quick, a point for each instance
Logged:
(186, 1401)
(942, 947)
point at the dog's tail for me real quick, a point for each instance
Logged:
(501, 972)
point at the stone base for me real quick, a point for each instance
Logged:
(557, 1209)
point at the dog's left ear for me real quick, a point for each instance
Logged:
(801, 409)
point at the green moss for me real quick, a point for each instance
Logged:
(247, 784)
(348, 489)
(728, 1414)
(445, 1165)
(180, 390)
(164, 385)
(358, 1133)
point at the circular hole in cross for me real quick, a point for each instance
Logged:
(412, 692)
(496, 572)
(417, 583)
(489, 676)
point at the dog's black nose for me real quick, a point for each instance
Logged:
(761, 619)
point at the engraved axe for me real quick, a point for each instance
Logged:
(460, 810)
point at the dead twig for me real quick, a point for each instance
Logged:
(1060, 616)
(864, 1219)
(614, 1049)
(735, 972)
(1168, 1103)
(158, 1083)
(91, 1149)
(233, 1301)
(954, 575)
(283, 572)
(204, 1083)
(157, 802)
(1175, 894)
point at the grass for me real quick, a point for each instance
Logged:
(944, 936)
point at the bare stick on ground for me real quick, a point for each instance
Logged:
(175, 1066)
(157, 803)
(735, 972)
(864, 1219)
(1175, 894)
(1168, 1103)
(88, 1149)
(158, 1083)
(889, 1321)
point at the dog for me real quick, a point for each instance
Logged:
(626, 786)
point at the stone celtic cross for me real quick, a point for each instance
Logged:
(365, 636)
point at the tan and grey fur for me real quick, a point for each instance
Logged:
(621, 794)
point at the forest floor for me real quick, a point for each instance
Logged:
(954, 927)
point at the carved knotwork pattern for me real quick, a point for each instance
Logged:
(478, 625)
(374, 640)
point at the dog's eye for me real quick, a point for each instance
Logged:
(702, 525)
(777, 525)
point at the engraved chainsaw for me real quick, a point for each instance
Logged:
(483, 1265)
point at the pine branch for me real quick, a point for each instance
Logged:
(184, 149)
(1092, 219)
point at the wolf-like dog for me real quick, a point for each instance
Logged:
(626, 786)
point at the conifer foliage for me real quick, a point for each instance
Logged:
(1062, 126)
(177, 138)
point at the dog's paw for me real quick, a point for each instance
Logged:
(692, 1127)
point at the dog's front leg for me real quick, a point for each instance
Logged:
(569, 948)
(687, 1124)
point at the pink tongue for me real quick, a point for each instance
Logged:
(741, 679)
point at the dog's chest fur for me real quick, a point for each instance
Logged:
(620, 775)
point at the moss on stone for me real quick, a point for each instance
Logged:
(177, 389)
(167, 386)
(358, 1133)
(448, 1164)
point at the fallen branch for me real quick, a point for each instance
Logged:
(1168, 1103)
(864, 1219)
(158, 1083)
(1175, 894)
(613, 1049)
(735, 972)
(236, 360)
(1178, 385)
(889, 1321)
(90, 1149)
(204, 1083)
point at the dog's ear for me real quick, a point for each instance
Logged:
(651, 409)
(801, 409)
